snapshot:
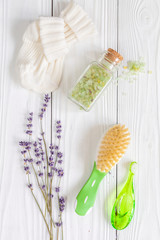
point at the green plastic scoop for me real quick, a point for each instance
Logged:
(124, 206)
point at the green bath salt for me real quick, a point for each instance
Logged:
(94, 79)
(90, 85)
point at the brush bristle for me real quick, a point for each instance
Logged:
(112, 147)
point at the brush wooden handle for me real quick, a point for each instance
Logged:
(87, 195)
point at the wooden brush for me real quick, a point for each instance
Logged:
(111, 149)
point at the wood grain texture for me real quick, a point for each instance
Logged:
(138, 108)
(19, 216)
(83, 130)
(131, 27)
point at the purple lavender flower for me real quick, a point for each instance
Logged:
(51, 146)
(46, 98)
(40, 174)
(23, 152)
(59, 155)
(30, 185)
(60, 173)
(30, 119)
(38, 162)
(56, 147)
(35, 144)
(29, 132)
(50, 195)
(26, 168)
(30, 160)
(61, 204)
(50, 158)
(55, 169)
(58, 224)
(22, 143)
(28, 148)
(43, 110)
(60, 161)
(25, 159)
(62, 207)
(29, 125)
(37, 155)
(59, 131)
(51, 164)
(36, 150)
(50, 174)
(43, 187)
(57, 189)
(28, 143)
(41, 115)
(61, 200)
(58, 126)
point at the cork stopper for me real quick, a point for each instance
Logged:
(113, 56)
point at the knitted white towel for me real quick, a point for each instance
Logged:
(52, 37)
(45, 44)
(78, 25)
(40, 60)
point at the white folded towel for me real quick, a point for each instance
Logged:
(45, 44)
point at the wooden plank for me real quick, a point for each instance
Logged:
(83, 130)
(19, 216)
(138, 108)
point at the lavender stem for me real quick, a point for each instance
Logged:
(41, 213)
(46, 204)
(39, 207)
(45, 146)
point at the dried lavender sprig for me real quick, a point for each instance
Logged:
(41, 213)
(46, 153)
(45, 197)
(59, 129)
(61, 201)
(45, 105)
(39, 154)
(36, 176)
(51, 159)
(46, 100)
(29, 184)
(43, 110)
(60, 215)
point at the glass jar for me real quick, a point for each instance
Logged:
(95, 79)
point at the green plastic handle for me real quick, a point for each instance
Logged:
(124, 206)
(87, 195)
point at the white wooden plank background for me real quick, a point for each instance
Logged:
(133, 28)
